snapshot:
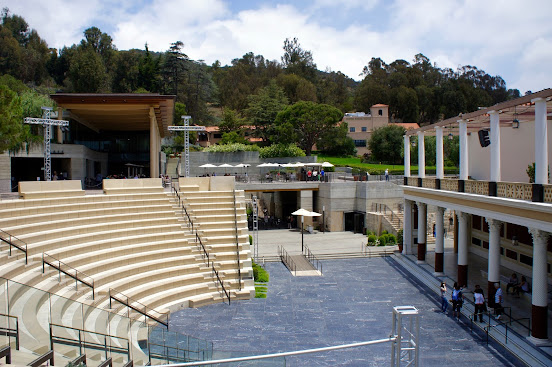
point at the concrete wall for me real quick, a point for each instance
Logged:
(5, 173)
(517, 151)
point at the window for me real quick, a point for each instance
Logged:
(476, 222)
(351, 129)
(360, 143)
(380, 112)
(364, 129)
(217, 136)
(527, 260)
(476, 241)
(511, 254)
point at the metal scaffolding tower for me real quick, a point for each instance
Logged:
(406, 330)
(46, 122)
(186, 128)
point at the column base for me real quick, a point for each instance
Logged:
(491, 293)
(418, 262)
(439, 274)
(439, 261)
(463, 275)
(539, 322)
(422, 252)
(539, 342)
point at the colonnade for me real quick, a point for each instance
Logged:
(540, 238)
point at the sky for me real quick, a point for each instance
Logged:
(510, 38)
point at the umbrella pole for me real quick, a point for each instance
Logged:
(302, 234)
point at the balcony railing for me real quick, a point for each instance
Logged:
(510, 190)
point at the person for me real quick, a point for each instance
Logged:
(55, 176)
(433, 229)
(322, 173)
(498, 301)
(444, 301)
(522, 287)
(512, 283)
(479, 300)
(456, 300)
(386, 174)
(309, 175)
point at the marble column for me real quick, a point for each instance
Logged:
(421, 155)
(464, 166)
(439, 161)
(493, 270)
(463, 222)
(539, 298)
(406, 158)
(154, 155)
(422, 231)
(439, 241)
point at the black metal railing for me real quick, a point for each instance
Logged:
(95, 341)
(237, 240)
(68, 270)
(287, 260)
(387, 211)
(312, 259)
(14, 242)
(48, 356)
(224, 291)
(6, 352)
(9, 331)
(505, 323)
(205, 252)
(160, 317)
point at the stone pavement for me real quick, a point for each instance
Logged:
(351, 302)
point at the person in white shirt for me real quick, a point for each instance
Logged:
(498, 301)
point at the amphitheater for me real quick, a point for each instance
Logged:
(92, 278)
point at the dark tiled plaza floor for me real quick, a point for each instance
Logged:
(352, 302)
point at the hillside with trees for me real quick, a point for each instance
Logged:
(250, 91)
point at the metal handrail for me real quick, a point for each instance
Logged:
(312, 259)
(505, 324)
(287, 260)
(221, 283)
(48, 356)
(6, 352)
(383, 208)
(9, 331)
(205, 253)
(10, 241)
(66, 272)
(146, 311)
(237, 241)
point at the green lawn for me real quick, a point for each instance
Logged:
(377, 168)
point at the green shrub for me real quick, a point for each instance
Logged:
(383, 240)
(368, 233)
(259, 274)
(372, 239)
(251, 241)
(400, 237)
(230, 148)
(281, 150)
(384, 232)
(391, 239)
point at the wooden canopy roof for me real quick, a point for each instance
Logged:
(126, 112)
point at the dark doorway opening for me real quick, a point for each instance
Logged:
(354, 222)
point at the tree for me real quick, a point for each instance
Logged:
(304, 123)
(296, 88)
(298, 61)
(87, 72)
(336, 142)
(386, 143)
(174, 67)
(231, 122)
(148, 72)
(13, 133)
(264, 107)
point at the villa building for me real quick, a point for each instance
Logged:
(500, 216)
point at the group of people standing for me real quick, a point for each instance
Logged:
(479, 301)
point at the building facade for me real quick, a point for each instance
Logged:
(500, 215)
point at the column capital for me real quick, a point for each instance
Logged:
(462, 216)
(538, 99)
(440, 211)
(539, 235)
(420, 203)
(493, 112)
(420, 133)
(493, 223)
(438, 128)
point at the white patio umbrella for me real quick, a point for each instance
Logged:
(327, 164)
(304, 213)
(225, 166)
(207, 165)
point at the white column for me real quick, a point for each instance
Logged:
(406, 156)
(495, 146)
(439, 152)
(494, 250)
(407, 227)
(464, 171)
(539, 311)
(421, 154)
(463, 223)
(541, 142)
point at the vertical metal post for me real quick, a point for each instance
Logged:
(186, 146)
(255, 228)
